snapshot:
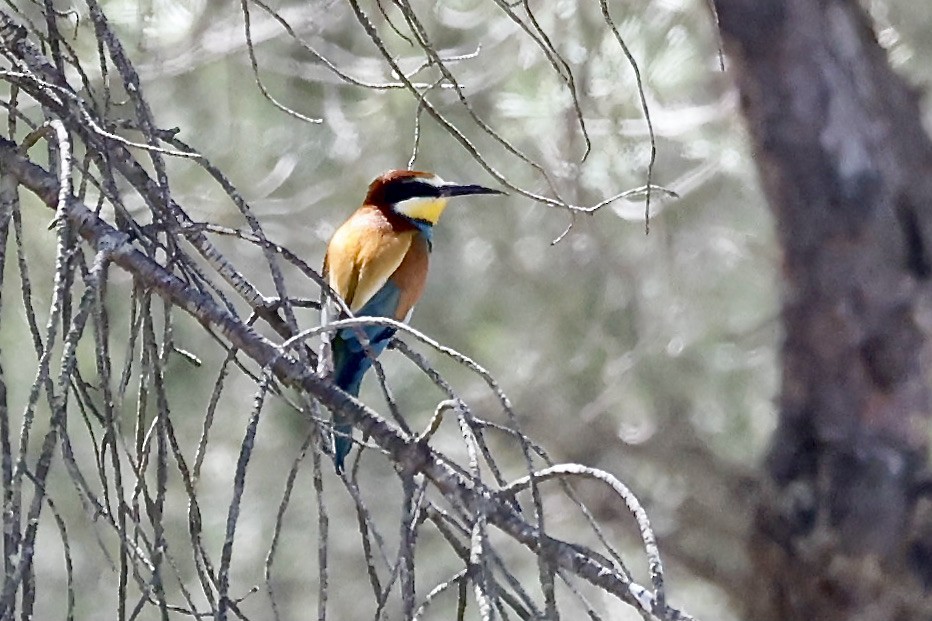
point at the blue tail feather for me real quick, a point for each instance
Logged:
(350, 363)
(342, 443)
(350, 360)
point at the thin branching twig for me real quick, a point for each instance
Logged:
(142, 461)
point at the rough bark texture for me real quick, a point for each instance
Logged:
(847, 168)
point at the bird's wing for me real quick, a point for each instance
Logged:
(360, 261)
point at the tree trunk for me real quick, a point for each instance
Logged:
(847, 169)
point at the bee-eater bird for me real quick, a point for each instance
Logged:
(377, 262)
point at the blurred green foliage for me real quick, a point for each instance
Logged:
(617, 348)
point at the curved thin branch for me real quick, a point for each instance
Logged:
(467, 493)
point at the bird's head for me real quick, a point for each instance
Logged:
(420, 196)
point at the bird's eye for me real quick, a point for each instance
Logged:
(404, 189)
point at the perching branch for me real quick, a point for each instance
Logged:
(463, 491)
(140, 469)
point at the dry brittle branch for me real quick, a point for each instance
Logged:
(125, 458)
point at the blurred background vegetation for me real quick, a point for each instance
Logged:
(651, 356)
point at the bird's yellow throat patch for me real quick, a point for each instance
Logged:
(427, 209)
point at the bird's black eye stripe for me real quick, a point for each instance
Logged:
(403, 189)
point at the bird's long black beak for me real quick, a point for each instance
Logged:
(452, 189)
